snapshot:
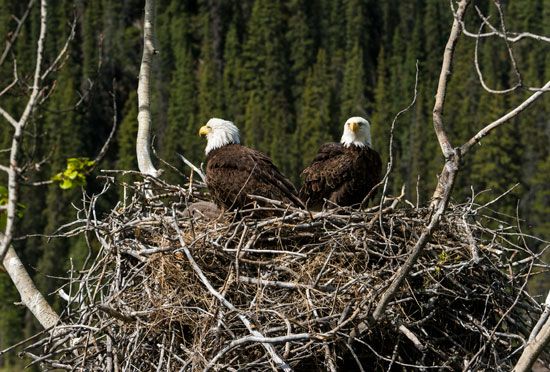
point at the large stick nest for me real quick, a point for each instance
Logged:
(172, 292)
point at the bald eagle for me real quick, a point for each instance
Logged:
(233, 172)
(343, 173)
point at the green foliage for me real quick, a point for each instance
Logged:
(352, 101)
(313, 124)
(75, 173)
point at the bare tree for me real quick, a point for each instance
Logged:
(30, 296)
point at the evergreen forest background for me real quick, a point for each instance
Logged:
(288, 73)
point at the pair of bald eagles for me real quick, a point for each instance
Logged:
(341, 174)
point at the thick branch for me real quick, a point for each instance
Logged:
(442, 137)
(144, 94)
(30, 295)
(538, 340)
(8, 117)
(533, 349)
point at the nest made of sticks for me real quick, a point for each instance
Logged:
(169, 291)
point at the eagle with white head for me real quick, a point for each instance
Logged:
(233, 171)
(343, 173)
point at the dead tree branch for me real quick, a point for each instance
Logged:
(503, 119)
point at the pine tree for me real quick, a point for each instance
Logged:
(127, 134)
(300, 38)
(353, 90)
(210, 93)
(181, 133)
(381, 116)
(268, 116)
(313, 123)
(233, 89)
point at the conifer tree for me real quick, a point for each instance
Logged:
(181, 132)
(126, 135)
(353, 92)
(314, 121)
(381, 116)
(268, 117)
(300, 38)
(210, 93)
(232, 88)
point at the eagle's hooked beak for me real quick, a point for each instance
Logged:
(354, 127)
(204, 131)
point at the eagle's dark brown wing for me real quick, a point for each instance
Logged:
(343, 175)
(233, 172)
(328, 170)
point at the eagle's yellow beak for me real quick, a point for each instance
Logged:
(204, 131)
(354, 127)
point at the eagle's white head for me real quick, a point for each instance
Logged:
(356, 132)
(218, 133)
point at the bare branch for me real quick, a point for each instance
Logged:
(105, 146)
(480, 74)
(144, 94)
(15, 79)
(194, 168)
(511, 37)
(404, 270)
(15, 33)
(8, 117)
(508, 47)
(62, 52)
(30, 295)
(389, 167)
(503, 119)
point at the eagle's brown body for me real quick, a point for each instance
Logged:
(233, 172)
(343, 175)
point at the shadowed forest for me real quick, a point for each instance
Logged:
(288, 73)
